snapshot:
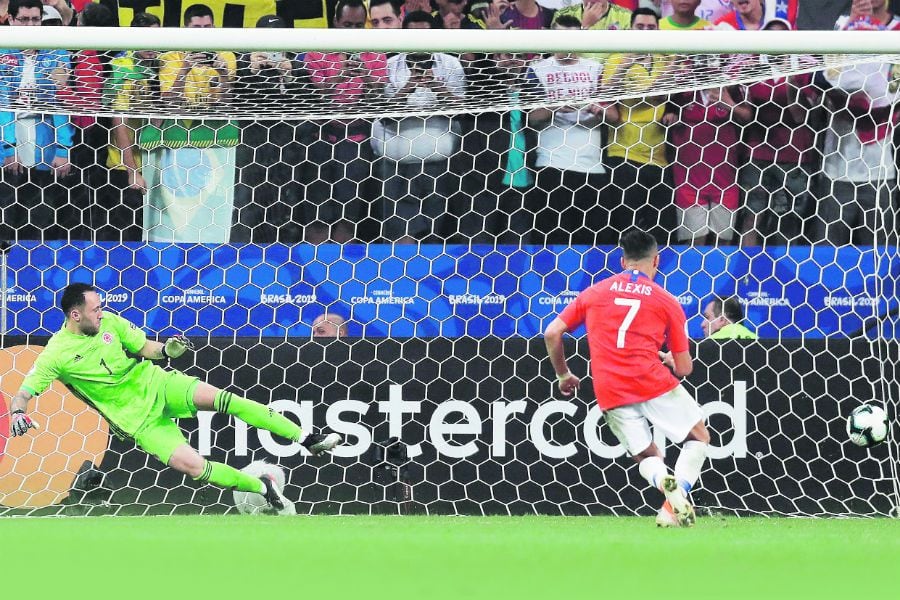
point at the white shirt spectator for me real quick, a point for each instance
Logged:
(446, 69)
(573, 140)
(413, 139)
(858, 151)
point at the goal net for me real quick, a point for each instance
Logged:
(372, 241)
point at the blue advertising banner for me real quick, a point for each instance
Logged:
(426, 291)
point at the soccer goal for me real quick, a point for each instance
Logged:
(370, 231)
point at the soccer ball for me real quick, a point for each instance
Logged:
(249, 503)
(867, 425)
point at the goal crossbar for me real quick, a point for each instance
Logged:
(772, 42)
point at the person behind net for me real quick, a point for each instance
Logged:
(629, 318)
(415, 152)
(637, 148)
(132, 85)
(722, 320)
(34, 145)
(572, 197)
(338, 201)
(270, 161)
(140, 399)
(329, 325)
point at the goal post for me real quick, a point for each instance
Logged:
(263, 201)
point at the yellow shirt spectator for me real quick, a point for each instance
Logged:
(615, 18)
(640, 136)
(669, 24)
(128, 86)
(198, 84)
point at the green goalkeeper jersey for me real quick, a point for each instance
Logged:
(98, 370)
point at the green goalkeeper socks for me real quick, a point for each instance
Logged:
(228, 477)
(257, 414)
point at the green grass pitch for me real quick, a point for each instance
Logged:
(360, 557)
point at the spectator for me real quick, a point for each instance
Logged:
(67, 14)
(876, 10)
(385, 14)
(50, 17)
(782, 155)
(495, 151)
(191, 164)
(491, 14)
(329, 325)
(746, 14)
(34, 146)
(706, 144)
(411, 6)
(344, 154)
(133, 83)
(859, 171)
(4, 12)
(420, 20)
(597, 14)
(722, 320)
(197, 79)
(571, 179)
(637, 148)
(684, 16)
(527, 14)
(415, 152)
(754, 14)
(451, 14)
(707, 10)
(83, 92)
(268, 198)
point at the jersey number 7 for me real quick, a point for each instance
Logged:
(633, 306)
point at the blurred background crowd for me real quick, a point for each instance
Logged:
(798, 159)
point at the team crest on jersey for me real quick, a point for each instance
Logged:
(107, 338)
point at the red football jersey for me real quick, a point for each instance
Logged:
(628, 319)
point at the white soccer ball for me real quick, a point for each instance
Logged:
(867, 425)
(249, 503)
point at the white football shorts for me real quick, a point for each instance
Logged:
(675, 413)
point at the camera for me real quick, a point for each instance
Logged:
(275, 57)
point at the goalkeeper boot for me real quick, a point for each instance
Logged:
(272, 495)
(681, 507)
(318, 443)
(666, 516)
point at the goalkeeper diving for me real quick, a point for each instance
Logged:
(140, 399)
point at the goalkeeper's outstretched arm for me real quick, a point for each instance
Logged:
(174, 347)
(20, 401)
(20, 422)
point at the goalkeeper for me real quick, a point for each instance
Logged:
(140, 399)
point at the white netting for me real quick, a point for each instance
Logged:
(367, 85)
(771, 179)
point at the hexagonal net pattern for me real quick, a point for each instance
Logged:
(374, 245)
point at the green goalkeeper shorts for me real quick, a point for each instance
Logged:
(160, 435)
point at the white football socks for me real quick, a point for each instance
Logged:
(689, 464)
(653, 469)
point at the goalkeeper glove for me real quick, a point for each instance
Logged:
(21, 423)
(177, 345)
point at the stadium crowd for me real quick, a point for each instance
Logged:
(807, 158)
